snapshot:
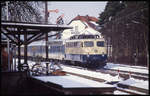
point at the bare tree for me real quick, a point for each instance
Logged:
(23, 11)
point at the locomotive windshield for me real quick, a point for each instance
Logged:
(88, 44)
(100, 43)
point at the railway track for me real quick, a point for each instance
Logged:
(120, 87)
(130, 92)
(133, 67)
(125, 74)
(132, 89)
(122, 74)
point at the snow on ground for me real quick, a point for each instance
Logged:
(70, 81)
(127, 68)
(131, 81)
(99, 75)
(136, 83)
(117, 92)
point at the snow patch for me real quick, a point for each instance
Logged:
(136, 83)
(99, 75)
(128, 68)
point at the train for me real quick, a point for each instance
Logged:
(78, 50)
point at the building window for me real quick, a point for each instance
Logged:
(72, 32)
(76, 29)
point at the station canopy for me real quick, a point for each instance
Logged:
(31, 32)
(34, 31)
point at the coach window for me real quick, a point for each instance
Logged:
(78, 45)
(100, 43)
(88, 44)
(71, 44)
(67, 44)
(75, 44)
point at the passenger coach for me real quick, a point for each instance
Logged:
(81, 50)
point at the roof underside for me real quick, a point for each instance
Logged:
(36, 30)
(32, 26)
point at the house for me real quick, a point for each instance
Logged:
(82, 25)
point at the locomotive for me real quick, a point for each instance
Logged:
(80, 50)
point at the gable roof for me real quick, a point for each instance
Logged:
(87, 19)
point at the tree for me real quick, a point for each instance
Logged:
(128, 30)
(22, 11)
(111, 9)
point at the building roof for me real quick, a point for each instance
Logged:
(88, 19)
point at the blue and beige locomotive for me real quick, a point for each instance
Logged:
(81, 50)
(86, 50)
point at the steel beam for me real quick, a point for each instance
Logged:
(48, 36)
(2, 30)
(34, 38)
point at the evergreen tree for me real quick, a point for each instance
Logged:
(127, 29)
(111, 9)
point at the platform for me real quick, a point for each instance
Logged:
(19, 83)
(70, 85)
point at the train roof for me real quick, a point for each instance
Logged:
(37, 43)
(50, 42)
(85, 36)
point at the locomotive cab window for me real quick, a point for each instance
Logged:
(88, 44)
(100, 43)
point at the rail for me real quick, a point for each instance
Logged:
(124, 88)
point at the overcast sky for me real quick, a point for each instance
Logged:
(74, 8)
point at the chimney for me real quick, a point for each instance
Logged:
(87, 17)
(78, 17)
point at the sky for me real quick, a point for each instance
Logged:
(74, 8)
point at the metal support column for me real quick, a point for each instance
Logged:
(14, 54)
(19, 61)
(7, 38)
(46, 39)
(8, 51)
(46, 35)
(25, 49)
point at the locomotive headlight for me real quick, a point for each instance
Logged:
(103, 54)
(88, 55)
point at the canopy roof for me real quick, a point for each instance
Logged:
(32, 28)
(37, 30)
(31, 32)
